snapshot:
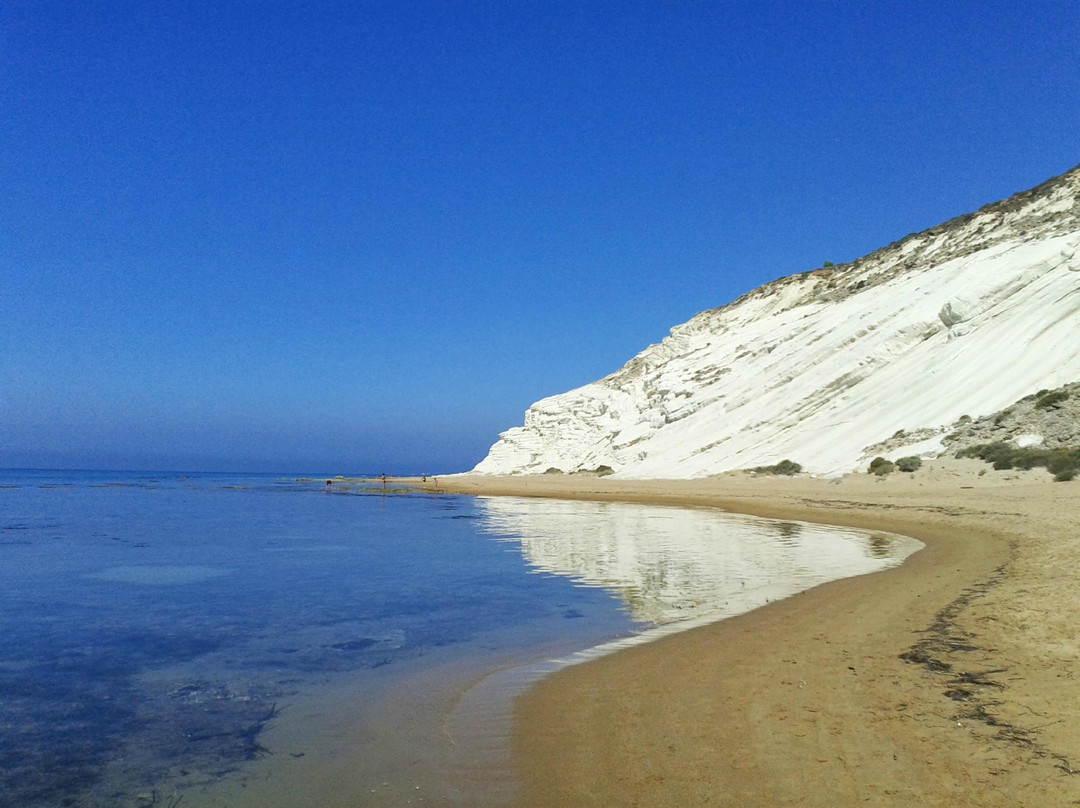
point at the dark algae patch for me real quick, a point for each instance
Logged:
(80, 728)
(942, 651)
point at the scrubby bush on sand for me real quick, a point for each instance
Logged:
(785, 467)
(909, 464)
(880, 466)
(599, 471)
(1063, 463)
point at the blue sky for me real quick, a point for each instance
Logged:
(366, 236)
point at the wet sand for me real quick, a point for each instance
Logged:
(953, 680)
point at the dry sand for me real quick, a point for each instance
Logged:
(810, 701)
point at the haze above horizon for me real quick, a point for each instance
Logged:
(330, 236)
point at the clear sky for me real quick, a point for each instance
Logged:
(365, 236)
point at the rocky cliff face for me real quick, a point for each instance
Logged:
(1048, 419)
(828, 366)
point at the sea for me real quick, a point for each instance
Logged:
(211, 640)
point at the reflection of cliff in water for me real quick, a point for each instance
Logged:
(668, 563)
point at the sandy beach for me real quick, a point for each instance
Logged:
(953, 680)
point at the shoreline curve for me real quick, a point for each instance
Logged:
(916, 685)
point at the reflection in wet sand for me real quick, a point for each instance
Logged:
(671, 564)
(672, 569)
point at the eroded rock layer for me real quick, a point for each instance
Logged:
(962, 319)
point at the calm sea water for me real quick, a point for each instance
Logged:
(168, 638)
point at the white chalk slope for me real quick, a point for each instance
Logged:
(961, 319)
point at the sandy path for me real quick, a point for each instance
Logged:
(807, 701)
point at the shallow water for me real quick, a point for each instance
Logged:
(251, 640)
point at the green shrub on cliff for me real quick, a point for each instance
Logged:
(1047, 400)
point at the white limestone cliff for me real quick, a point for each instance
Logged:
(961, 319)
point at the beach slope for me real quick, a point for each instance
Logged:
(952, 680)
